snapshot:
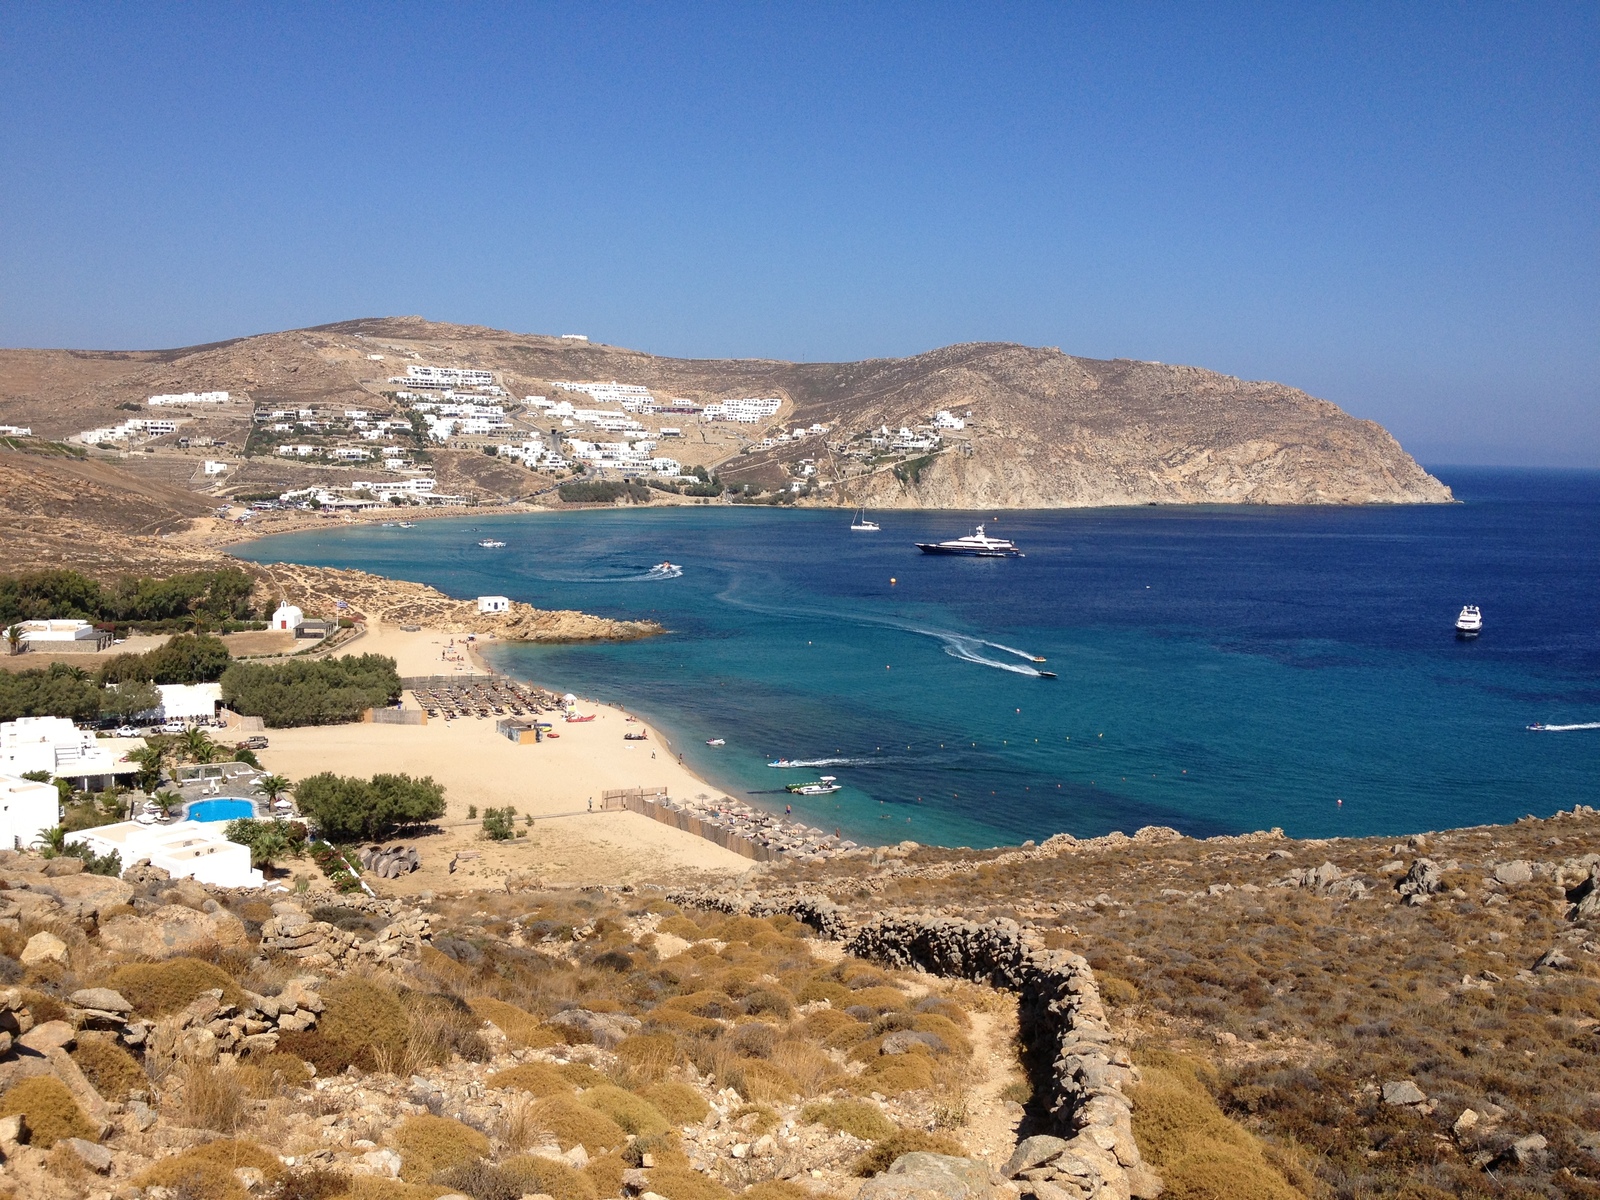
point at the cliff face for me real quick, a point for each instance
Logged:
(1046, 429)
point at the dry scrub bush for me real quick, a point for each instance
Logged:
(683, 1182)
(855, 1117)
(681, 927)
(430, 1144)
(44, 1006)
(209, 1097)
(763, 1119)
(905, 1141)
(535, 1176)
(760, 1080)
(362, 1024)
(605, 1173)
(648, 1056)
(678, 1102)
(156, 989)
(50, 1110)
(573, 1124)
(111, 1069)
(634, 1114)
(264, 1076)
(1198, 1152)
(831, 990)
(812, 1070)
(522, 1029)
(437, 1026)
(364, 1188)
(208, 1170)
(673, 1020)
(879, 999)
(896, 1074)
(535, 1078)
(780, 1189)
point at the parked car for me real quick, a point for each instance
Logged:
(254, 742)
(173, 727)
(126, 731)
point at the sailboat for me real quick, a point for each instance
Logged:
(860, 524)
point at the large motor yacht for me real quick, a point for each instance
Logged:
(978, 545)
(1470, 623)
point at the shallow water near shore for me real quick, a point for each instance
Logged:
(1219, 669)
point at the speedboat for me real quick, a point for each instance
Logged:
(664, 567)
(780, 762)
(1470, 623)
(490, 544)
(823, 787)
(408, 525)
(860, 524)
(716, 742)
(974, 545)
(1047, 674)
(1537, 725)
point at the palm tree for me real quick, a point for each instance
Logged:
(14, 637)
(167, 800)
(196, 745)
(273, 787)
(149, 760)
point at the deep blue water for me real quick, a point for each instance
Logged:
(1221, 669)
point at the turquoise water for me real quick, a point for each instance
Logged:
(224, 808)
(1220, 669)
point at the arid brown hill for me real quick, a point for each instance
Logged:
(1046, 429)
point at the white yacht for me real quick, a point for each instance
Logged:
(491, 544)
(860, 524)
(1470, 623)
(978, 545)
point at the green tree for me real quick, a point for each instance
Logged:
(497, 824)
(349, 809)
(122, 701)
(268, 840)
(274, 787)
(14, 638)
(149, 759)
(187, 658)
(314, 692)
(196, 746)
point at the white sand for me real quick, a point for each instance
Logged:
(553, 781)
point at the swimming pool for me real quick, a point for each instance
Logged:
(223, 808)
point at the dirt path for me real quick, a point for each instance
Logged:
(990, 1131)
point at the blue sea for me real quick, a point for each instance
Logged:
(1220, 669)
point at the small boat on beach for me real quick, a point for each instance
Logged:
(974, 545)
(575, 719)
(637, 736)
(716, 741)
(491, 544)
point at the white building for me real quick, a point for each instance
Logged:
(16, 431)
(287, 617)
(186, 850)
(26, 807)
(574, 337)
(189, 701)
(444, 377)
(747, 411)
(45, 633)
(189, 398)
(297, 451)
(57, 746)
(944, 419)
(493, 604)
(215, 468)
(630, 395)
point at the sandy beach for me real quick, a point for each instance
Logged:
(554, 782)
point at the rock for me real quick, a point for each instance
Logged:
(92, 893)
(1554, 959)
(577, 1156)
(1464, 1122)
(101, 999)
(13, 1132)
(296, 1022)
(1423, 879)
(1513, 873)
(604, 1029)
(168, 930)
(44, 948)
(905, 1040)
(96, 1158)
(1402, 1092)
(384, 1164)
(924, 1176)
(65, 864)
(251, 1179)
(1144, 1184)
(1033, 1152)
(1529, 1150)
(52, 1035)
(139, 1116)
(297, 993)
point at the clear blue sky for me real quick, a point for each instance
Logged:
(1392, 206)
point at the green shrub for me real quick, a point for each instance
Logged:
(349, 809)
(187, 658)
(603, 493)
(312, 691)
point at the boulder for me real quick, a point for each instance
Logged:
(65, 864)
(604, 1029)
(44, 948)
(50, 1036)
(924, 1176)
(903, 1041)
(1511, 874)
(96, 1158)
(1033, 1152)
(101, 999)
(1530, 1150)
(1402, 1092)
(1423, 879)
(92, 893)
(166, 931)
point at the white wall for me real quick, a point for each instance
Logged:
(26, 807)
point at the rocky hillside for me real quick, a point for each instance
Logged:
(1046, 429)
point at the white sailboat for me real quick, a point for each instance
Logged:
(860, 524)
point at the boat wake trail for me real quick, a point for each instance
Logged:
(653, 575)
(785, 763)
(967, 649)
(1564, 728)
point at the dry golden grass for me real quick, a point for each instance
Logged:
(1199, 1153)
(111, 1069)
(634, 1114)
(210, 1097)
(208, 1170)
(858, 1118)
(535, 1078)
(545, 1176)
(522, 1028)
(391, 1189)
(573, 1124)
(678, 1102)
(156, 989)
(50, 1110)
(649, 1056)
(429, 1144)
